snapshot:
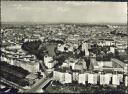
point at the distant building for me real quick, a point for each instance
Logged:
(106, 42)
(18, 47)
(94, 63)
(120, 50)
(72, 63)
(121, 45)
(65, 47)
(65, 64)
(47, 59)
(75, 64)
(11, 62)
(51, 64)
(78, 67)
(3, 58)
(70, 48)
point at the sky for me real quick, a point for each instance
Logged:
(64, 11)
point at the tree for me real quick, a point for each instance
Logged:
(87, 60)
(117, 54)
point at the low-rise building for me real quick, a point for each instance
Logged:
(105, 63)
(47, 59)
(112, 49)
(49, 62)
(60, 47)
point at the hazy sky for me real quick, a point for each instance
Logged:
(64, 11)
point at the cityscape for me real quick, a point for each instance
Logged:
(64, 58)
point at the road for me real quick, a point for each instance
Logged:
(44, 68)
(12, 84)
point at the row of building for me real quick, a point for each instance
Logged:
(91, 78)
(120, 47)
(113, 65)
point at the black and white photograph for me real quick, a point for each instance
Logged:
(64, 47)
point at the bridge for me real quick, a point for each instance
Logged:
(40, 84)
(114, 69)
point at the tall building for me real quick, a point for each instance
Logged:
(95, 78)
(120, 76)
(115, 80)
(92, 78)
(75, 76)
(107, 78)
(102, 79)
(68, 78)
(82, 78)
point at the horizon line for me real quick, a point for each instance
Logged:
(63, 23)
